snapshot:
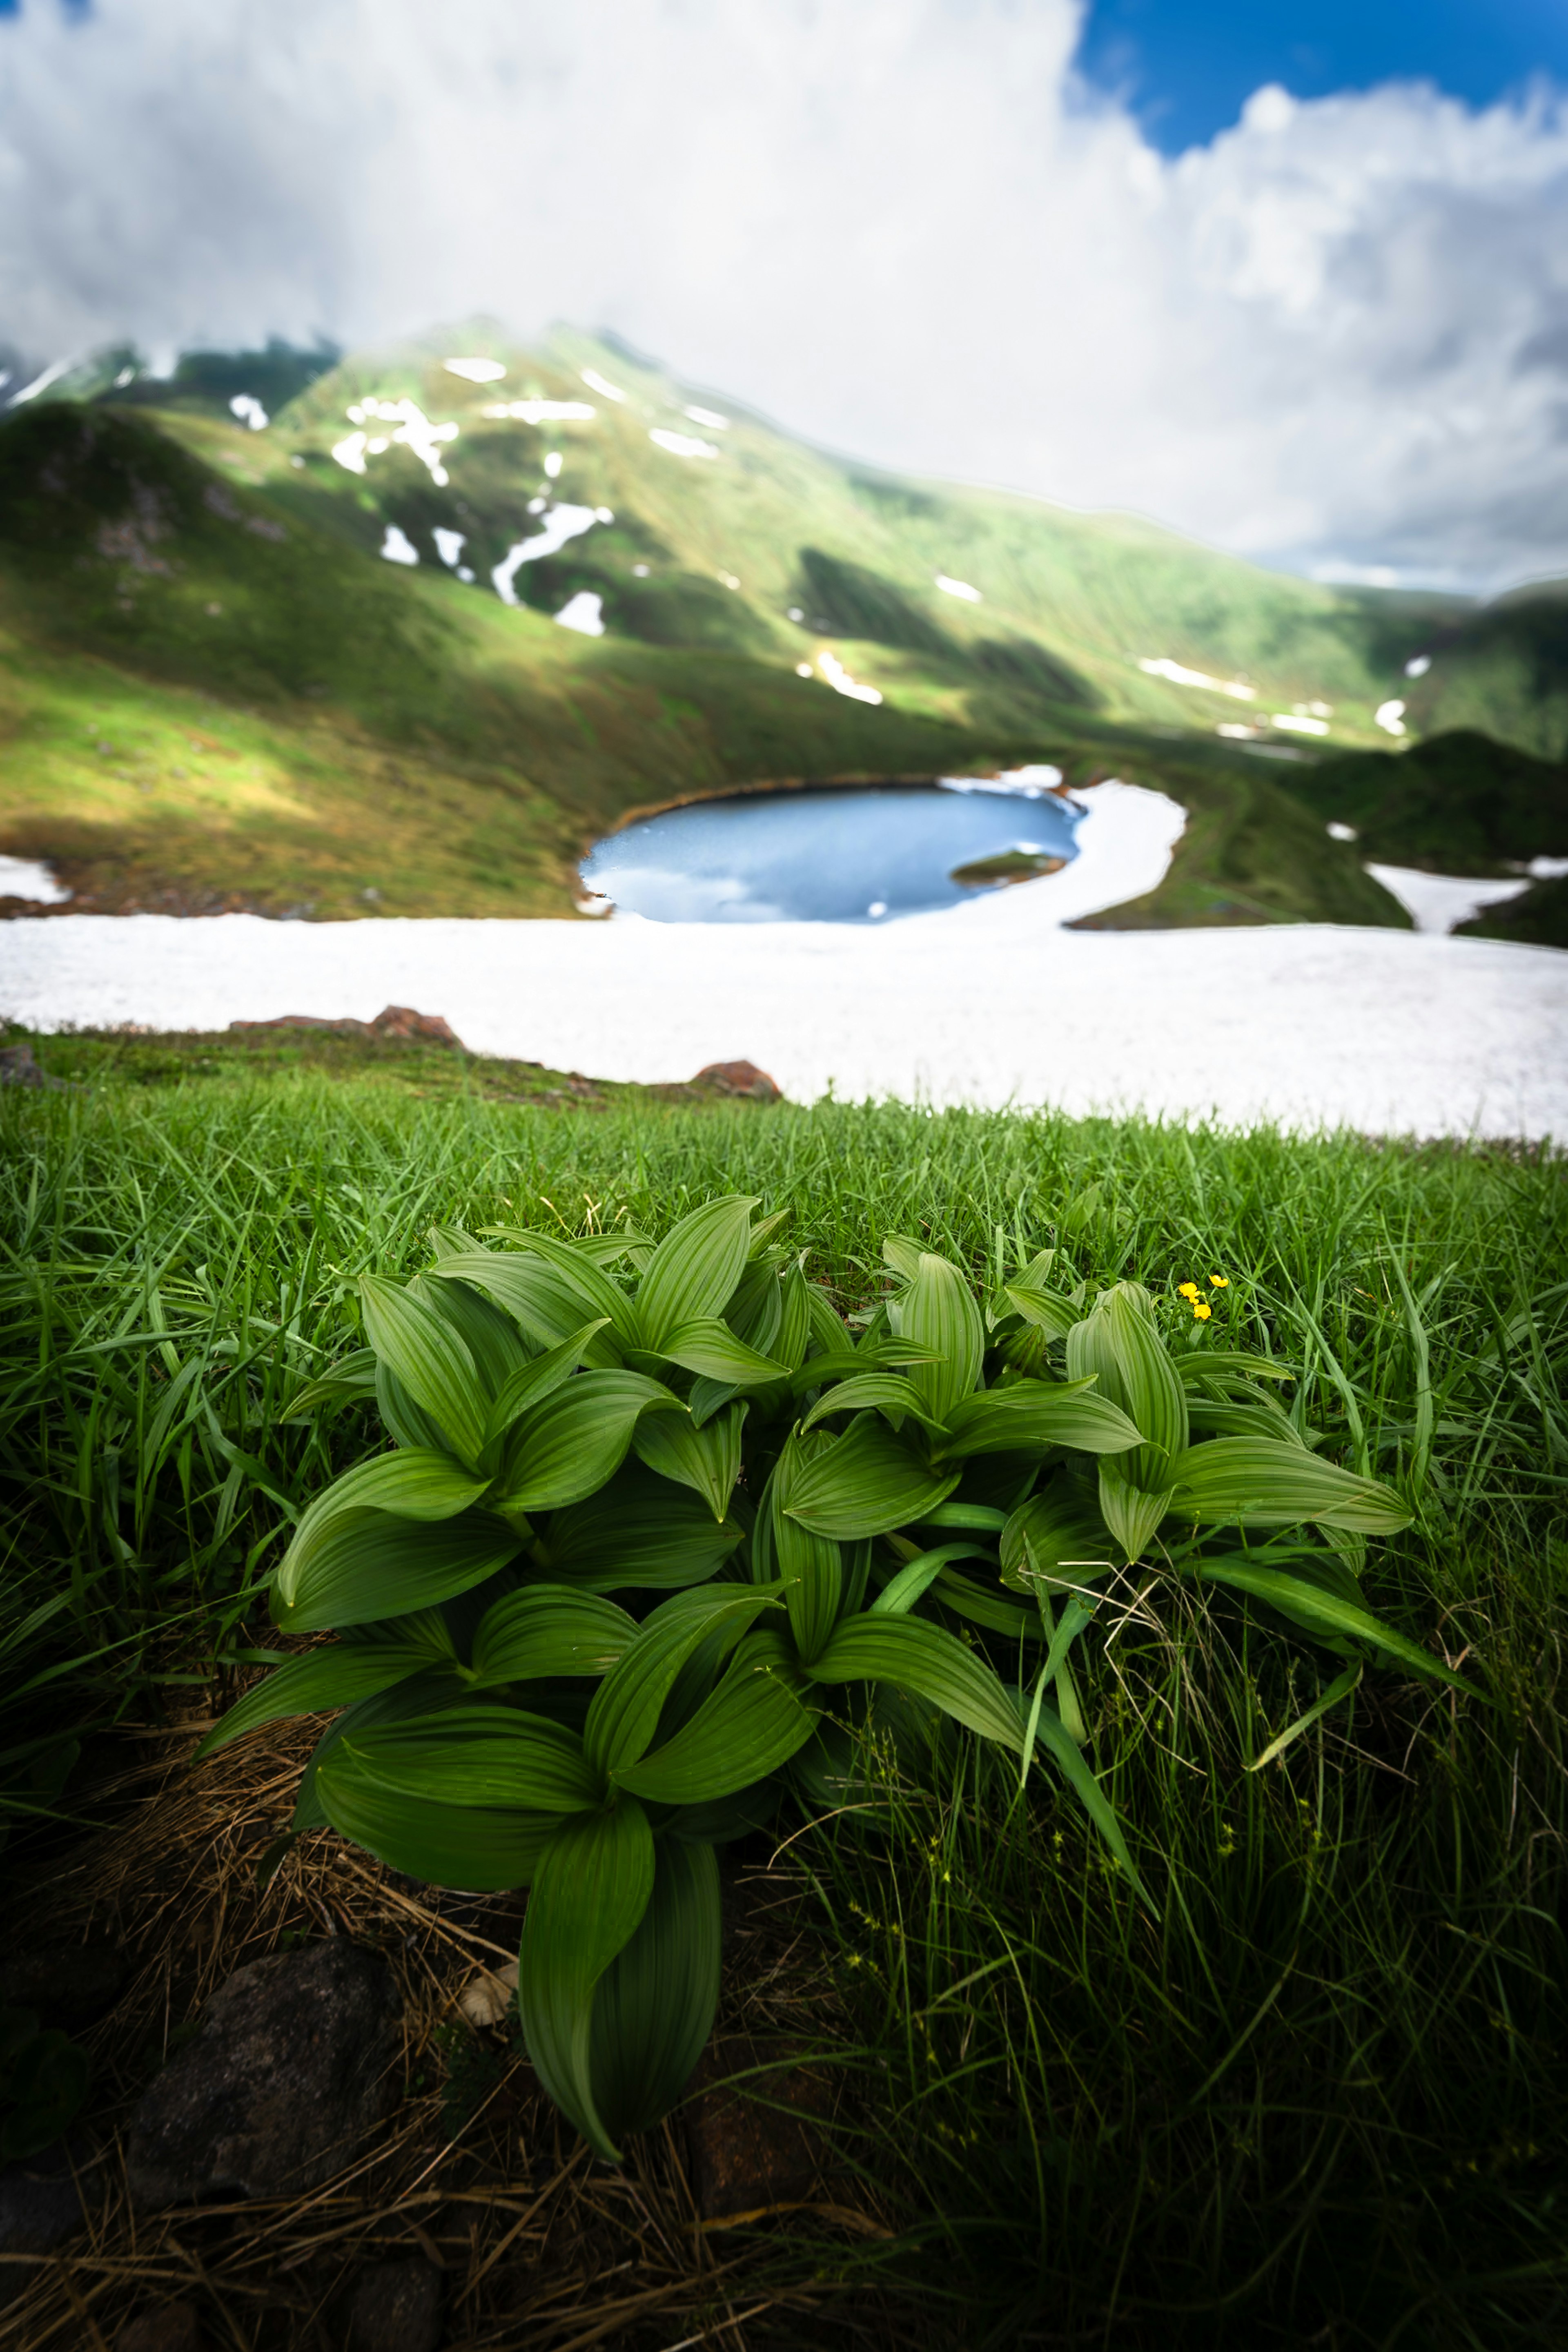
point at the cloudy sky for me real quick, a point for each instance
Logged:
(1295, 281)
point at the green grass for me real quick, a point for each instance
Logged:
(1322, 2099)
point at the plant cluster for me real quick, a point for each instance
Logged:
(657, 1521)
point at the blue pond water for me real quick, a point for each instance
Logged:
(854, 855)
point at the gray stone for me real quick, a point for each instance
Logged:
(396, 2307)
(295, 2062)
(167, 2327)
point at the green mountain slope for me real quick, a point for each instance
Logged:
(1457, 803)
(1503, 669)
(215, 691)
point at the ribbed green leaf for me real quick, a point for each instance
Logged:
(568, 1446)
(431, 1361)
(1227, 1364)
(654, 2005)
(623, 1714)
(579, 1265)
(707, 1344)
(482, 1754)
(887, 1393)
(538, 1378)
(1258, 1482)
(935, 1666)
(1045, 1310)
(865, 1483)
(485, 1851)
(1029, 1416)
(413, 1485)
(1118, 1341)
(939, 1310)
(337, 1675)
(794, 1322)
(809, 1566)
(370, 1565)
(416, 1431)
(1057, 1536)
(591, 1890)
(638, 1531)
(900, 1593)
(1327, 1615)
(902, 1255)
(548, 1305)
(750, 1725)
(1131, 1513)
(693, 1272)
(428, 1693)
(1244, 1417)
(352, 1381)
(545, 1629)
(491, 1337)
(706, 1459)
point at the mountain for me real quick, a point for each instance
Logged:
(215, 690)
(1502, 669)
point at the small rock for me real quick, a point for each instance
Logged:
(399, 1022)
(17, 1068)
(402, 1021)
(70, 1985)
(41, 2200)
(489, 1994)
(754, 2145)
(167, 2327)
(396, 2307)
(295, 2062)
(741, 1078)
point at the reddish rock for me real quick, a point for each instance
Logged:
(743, 1079)
(399, 1022)
(755, 2141)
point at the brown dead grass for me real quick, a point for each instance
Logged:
(538, 2244)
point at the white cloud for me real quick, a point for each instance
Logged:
(1339, 334)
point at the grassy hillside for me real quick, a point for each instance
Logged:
(215, 693)
(1503, 669)
(1318, 2097)
(1457, 803)
(1538, 918)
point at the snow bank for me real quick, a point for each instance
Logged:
(958, 588)
(838, 678)
(1390, 717)
(476, 371)
(1441, 902)
(396, 548)
(542, 412)
(681, 445)
(584, 612)
(1173, 672)
(708, 416)
(596, 382)
(988, 1003)
(249, 411)
(561, 523)
(26, 877)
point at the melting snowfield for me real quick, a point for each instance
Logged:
(990, 1002)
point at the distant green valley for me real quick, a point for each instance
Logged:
(409, 645)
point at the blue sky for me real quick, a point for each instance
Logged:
(1185, 68)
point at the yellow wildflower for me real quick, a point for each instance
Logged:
(1220, 1281)
(1186, 1290)
(1201, 1312)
